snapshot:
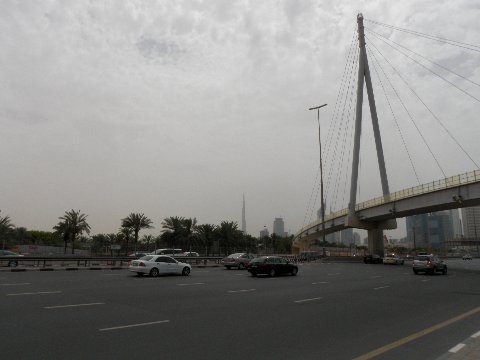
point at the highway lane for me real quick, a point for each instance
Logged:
(330, 311)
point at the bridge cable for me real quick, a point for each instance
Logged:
(395, 118)
(425, 58)
(348, 131)
(430, 70)
(459, 44)
(427, 107)
(310, 206)
(349, 90)
(343, 91)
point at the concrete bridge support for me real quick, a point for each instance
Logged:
(375, 242)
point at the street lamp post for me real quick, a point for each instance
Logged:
(321, 169)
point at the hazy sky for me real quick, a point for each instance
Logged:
(178, 108)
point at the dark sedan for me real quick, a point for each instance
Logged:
(372, 259)
(272, 266)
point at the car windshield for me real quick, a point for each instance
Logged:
(237, 255)
(146, 258)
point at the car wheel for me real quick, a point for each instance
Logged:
(254, 274)
(241, 266)
(154, 272)
(186, 271)
(294, 271)
(228, 267)
(13, 263)
(402, 262)
(272, 272)
(444, 271)
(415, 272)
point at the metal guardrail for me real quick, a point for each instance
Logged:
(73, 262)
(450, 182)
(92, 261)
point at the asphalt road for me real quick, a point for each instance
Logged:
(328, 311)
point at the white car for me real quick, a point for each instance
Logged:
(155, 265)
(393, 259)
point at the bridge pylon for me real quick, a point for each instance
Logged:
(375, 229)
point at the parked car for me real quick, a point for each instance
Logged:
(272, 266)
(7, 254)
(393, 259)
(169, 252)
(237, 260)
(155, 265)
(138, 254)
(372, 259)
(429, 264)
(190, 253)
(467, 257)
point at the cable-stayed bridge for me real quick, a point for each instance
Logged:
(380, 213)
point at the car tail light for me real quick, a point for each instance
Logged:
(142, 264)
(429, 262)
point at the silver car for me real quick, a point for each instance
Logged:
(429, 264)
(6, 254)
(155, 265)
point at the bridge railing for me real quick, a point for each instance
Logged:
(450, 182)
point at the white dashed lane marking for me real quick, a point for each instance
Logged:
(70, 306)
(456, 348)
(307, 300)
(36, 293)
(134, 325)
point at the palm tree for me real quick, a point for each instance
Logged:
(188, 232)
(72, 224)
(124, 235)
(206, 234)
(148, 240)
(227, 234)
(136, 222)
(5, 227)
(172, 230)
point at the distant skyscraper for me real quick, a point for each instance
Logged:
(457, 223)
(430, 230)
(279, 227)
(264, 233)
(471, 222)
(244, 221)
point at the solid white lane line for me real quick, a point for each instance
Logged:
(426, 280)
(75, 305)
(239, 291)
(456, 348)
(381, 287)
(477, 334)
(13, 284)
(134, 325)
(305, 300)
(36, 293)
(191, 284)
